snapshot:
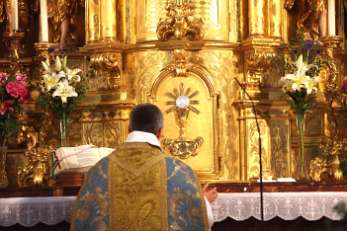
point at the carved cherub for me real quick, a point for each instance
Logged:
(62, 17)
(311, 16)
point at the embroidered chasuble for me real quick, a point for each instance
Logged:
(139, 188)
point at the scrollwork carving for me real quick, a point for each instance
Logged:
(104, 127)
(107, 70)
(180, 65)
(327, 165)
(180, 22)
(38, 154)
(258, 61)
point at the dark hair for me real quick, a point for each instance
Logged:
(147, 118)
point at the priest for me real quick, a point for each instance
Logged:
(138, 187)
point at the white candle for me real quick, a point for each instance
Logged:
(43, 21)
(331, 18)
(14, 15)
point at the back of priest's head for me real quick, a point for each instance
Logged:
(146, 118)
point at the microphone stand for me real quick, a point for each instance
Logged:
(261, 185)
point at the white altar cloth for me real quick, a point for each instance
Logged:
(28, 211)
(286, 205)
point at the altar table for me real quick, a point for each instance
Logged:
(29, 211)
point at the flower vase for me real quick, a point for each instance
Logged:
(63, 126)
(300, 121)
(3, 173)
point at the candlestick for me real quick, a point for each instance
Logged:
(331, 18)
(43, 21)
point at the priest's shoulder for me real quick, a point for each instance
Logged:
(175, 162)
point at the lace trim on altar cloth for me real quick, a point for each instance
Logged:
(286, 205)
(29, 211)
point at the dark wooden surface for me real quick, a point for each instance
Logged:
(278, 224)
(229, 224)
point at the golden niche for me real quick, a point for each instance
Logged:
(182, 103)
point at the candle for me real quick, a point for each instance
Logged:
(14, 16)
(43, 21)
(331, 18)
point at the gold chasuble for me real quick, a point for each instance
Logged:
(139, 188)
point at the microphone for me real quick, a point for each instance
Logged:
(261, 185)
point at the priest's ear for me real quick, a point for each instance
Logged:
(159, 133)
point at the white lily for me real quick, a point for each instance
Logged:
(302, 66)
(311, 84)
(45, 65)
(58, 64)
(72, 74)
(51, 80)
(64, 91)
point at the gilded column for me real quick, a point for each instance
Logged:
(234, 21)
(108, 20)
(121, 19)
(275, 18)
(331, 18)
(43, 21)
(14, 16)
(256, 17)
(92, 21)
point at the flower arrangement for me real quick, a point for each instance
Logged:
(300, 82)
(13, 93)
(62, 88)
(300, 86)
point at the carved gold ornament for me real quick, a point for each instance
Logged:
(182, 102)
(180, 66)
(108, 71)
(38, 154)
(180, 22)
(326, 166)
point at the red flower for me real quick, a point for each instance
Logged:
(344, 85)
(21, 77)
(18, 89)
(5, 106)
(3, 78)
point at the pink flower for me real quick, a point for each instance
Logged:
(5, 106)
(21, 77)
(3, 78)
(18, 89)
(344, 85)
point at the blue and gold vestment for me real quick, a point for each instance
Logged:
(139, 188)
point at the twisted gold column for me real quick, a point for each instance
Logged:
(92, 21)
(256, 17)
(275, 18)
(108, 20)
(101, 20)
